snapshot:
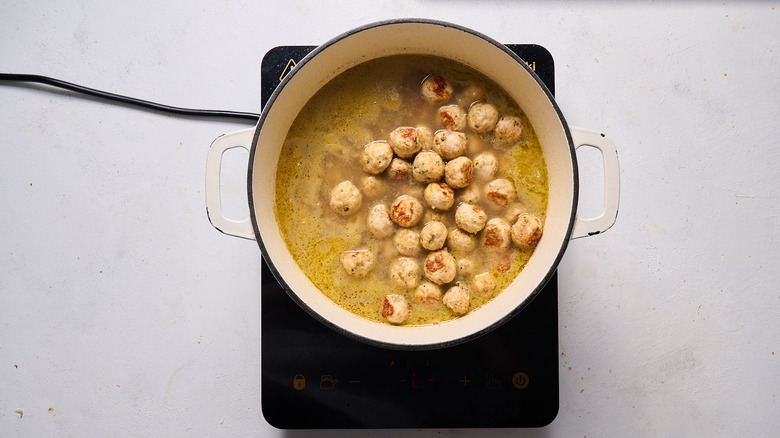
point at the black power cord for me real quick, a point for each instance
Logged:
(127, 100)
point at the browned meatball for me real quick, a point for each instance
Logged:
(406, 211)
(527, 230)
(404, 141)
(427, 293)
(439, 267)
(458, 173)
(452, 117)
(497, 234)
(450, 144)
(500, 193)
(395, 308)
(439, 196)
(399, 170)
(436, 90)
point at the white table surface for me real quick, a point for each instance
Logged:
(124, 313)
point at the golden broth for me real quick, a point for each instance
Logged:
(323, 148)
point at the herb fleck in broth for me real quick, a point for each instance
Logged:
(323, 149)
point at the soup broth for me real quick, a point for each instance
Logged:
(324, 148)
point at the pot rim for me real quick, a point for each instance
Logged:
(366, 339)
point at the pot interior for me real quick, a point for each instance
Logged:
(430, 38)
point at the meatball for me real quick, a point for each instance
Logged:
(425, 138)
(404, 141)
(436, 90)
(472, 93)
(470, 218)
(406, 211)
(458, 298)
(461, 241)
(485, 167)
(433, 235)
(440, 267)
(372, 186)
(527, 230)
(497, 235)
(514, 211)
(378, 221)
(452, 117)
(399, 170)
(427, 167)
(508, 131)
(458, 172)
(470, 194)
(407, 242)
(439, 196)
(427, 293)
(376, 156)
(449, 144)
(357, 263)
(405, 272)
(500, 193)
(484, 283)
(465, 266)
(345, 198)
(395, 308)
(482, 117)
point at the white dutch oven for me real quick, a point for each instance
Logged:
(466, 46)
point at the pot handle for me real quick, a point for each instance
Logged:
(602, 222)
(237, 139)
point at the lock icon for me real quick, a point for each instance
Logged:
(299, 382)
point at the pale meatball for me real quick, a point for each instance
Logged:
(497, 235)
(450, 144)
(484, 283)
(378, 221)
(514, 211)
(357, 263)
(345, 198)
(427, 167)
(461, 241)
(399, 170)
(427, 293)
(436, 90)
(472, 93)
(458, 172)
(458, 298)
(440, 267)
(452, 117)
(395, 308)
(405, 272)
(527, 230)
(508, 131)
(471, 194)
(482, 117)
(439, 196)
(376, 156)
(372, 186)
(470, 218)
(406, 211)
(433, 235)
(404, 141)
(485, 167)
(500, 193)
(465, 266)
(407, 242)
(425, 138)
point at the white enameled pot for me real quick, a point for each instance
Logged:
(468, 47)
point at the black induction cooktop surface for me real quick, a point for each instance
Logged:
(315, 378)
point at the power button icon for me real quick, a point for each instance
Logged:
(520, 380)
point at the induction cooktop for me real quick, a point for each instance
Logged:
(315, 378)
